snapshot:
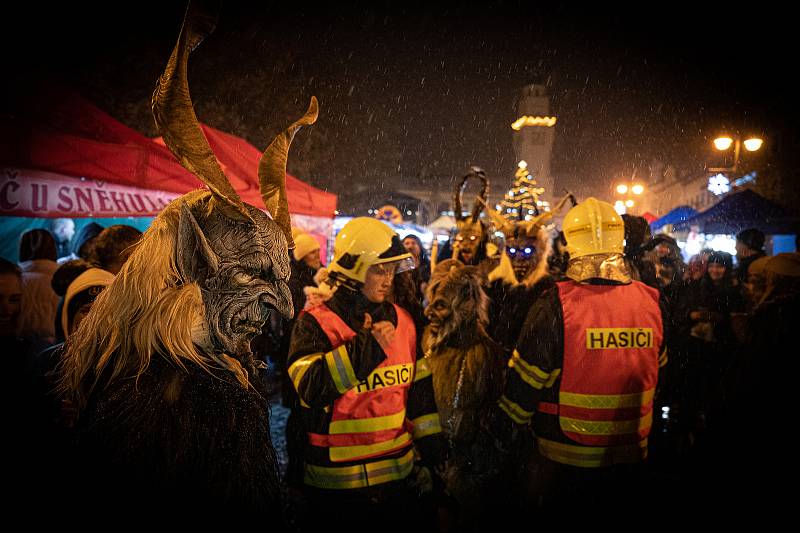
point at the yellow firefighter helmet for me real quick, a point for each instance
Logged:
(593, 227)
(364, 242)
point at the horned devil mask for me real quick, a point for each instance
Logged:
(470, 231)
(235, 253)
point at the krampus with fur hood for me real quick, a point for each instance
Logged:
(522, 273)
(468, 369)
(171, 416)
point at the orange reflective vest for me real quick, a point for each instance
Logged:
(612, 335)
(369, 419)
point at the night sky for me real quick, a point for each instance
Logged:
(414, 94)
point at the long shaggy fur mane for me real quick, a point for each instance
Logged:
(147, 310)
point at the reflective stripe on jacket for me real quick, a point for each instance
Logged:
(612, 335)
(369, 419)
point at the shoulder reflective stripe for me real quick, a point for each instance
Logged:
(365, 425)
(341, 369)
(299, 368)
(591, 456)
(359, 476)
(347, 453)
(617, 427)
(514, 411)
(663, 358)
(426, 425)
(422, 370)
(606, 401)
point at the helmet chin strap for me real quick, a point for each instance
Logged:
(342, 281)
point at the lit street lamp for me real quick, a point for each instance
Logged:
(629, 195)
(724, 142)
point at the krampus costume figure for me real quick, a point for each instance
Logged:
(468, 369)
(522, 273)
(170, 414)
(472, 236)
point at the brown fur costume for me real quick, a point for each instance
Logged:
(468, 370)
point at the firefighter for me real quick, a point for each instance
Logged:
(373, 432)
(585, 370)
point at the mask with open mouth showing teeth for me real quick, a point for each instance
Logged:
(236, 254)
(469, 242)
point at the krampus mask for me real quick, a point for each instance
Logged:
(526, 241)
(469, 243)
(234, 252)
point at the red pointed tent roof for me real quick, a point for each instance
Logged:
(239, 160)
(60, 131)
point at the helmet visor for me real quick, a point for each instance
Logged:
(400, 263)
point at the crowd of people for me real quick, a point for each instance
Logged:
(420, 383)
(549, 376)
(438, 386)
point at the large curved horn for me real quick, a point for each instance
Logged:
(459, 191)
(500, 222)
(272, 171)
(532, 226)
(482, 196)
(177, 123)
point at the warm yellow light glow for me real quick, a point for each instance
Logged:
(622, 188)
(522, 164)
(629, 203)
(723, 143)
(525, 120)
(752, 144)
(637, 189)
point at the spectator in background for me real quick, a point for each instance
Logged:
(63, 276)
(82, 245)
(637, 236)
(749, 247)
(63, 229)
(697, 265)
(81, 295)
(37, 255)
(10, 300)
(422, 271)
(113, 246)
(707, 326)
(305, 264)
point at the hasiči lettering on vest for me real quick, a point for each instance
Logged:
(615, 338)
(387, 376)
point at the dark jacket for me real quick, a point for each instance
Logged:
(316, 386)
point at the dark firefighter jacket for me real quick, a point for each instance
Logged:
(318, 385)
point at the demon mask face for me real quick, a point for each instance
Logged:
(458, 306)
(522, 250)
(236, 254)
(470, 231)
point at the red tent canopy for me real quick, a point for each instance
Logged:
(63, 134)
(649, 217)
(239, 160)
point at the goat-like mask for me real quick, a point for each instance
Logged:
(470, 231)
(234, 252)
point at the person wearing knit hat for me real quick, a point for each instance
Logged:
(80, 296)
(305, 247)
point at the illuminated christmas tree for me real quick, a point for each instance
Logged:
(521, 202)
